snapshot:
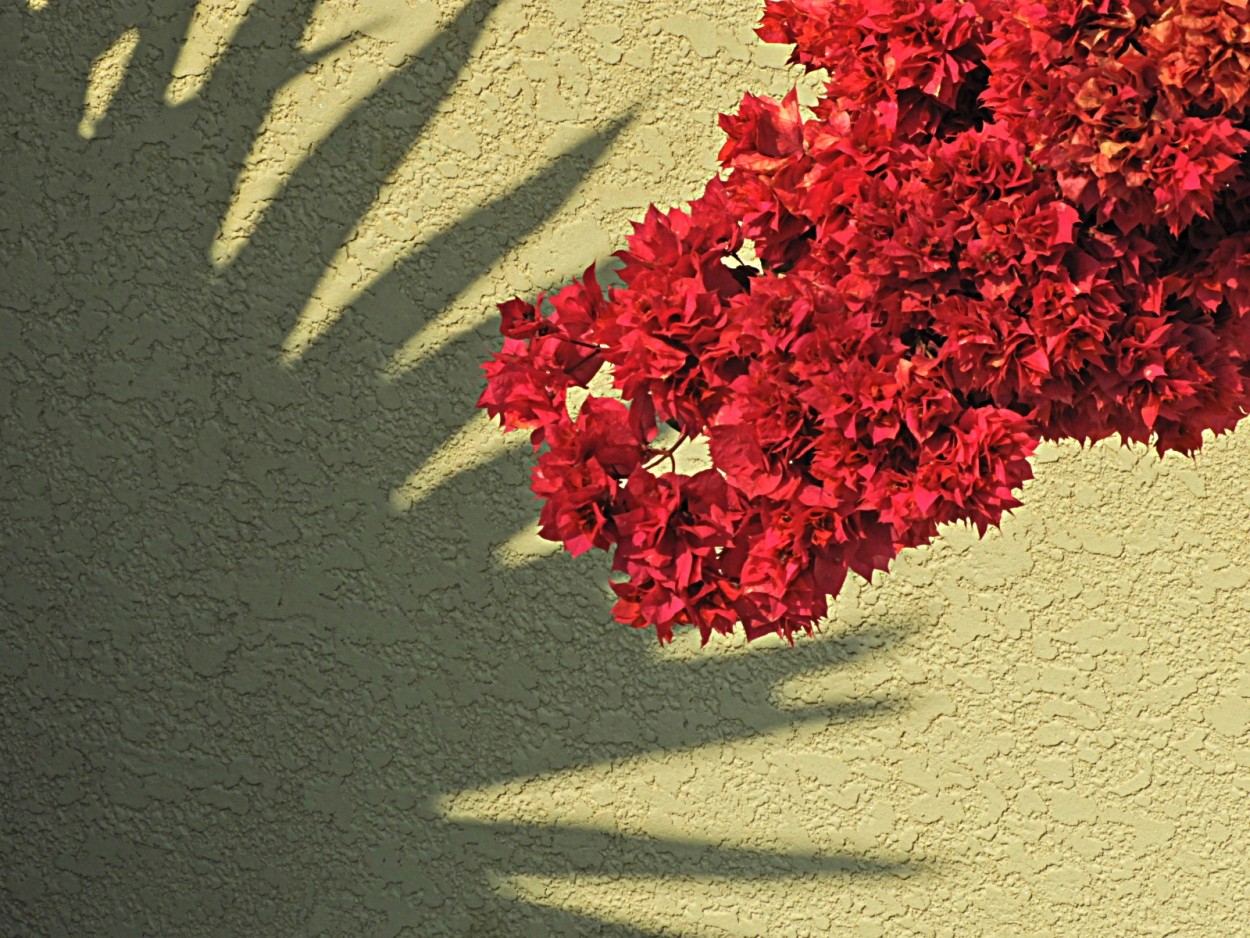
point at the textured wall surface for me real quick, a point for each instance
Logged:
(281, 653)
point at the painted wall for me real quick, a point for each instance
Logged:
(281, 653)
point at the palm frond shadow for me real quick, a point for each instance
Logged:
(563, 852)
(333, 187)
(566, 850)
(224, 525)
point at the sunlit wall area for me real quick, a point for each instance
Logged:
(281, 652)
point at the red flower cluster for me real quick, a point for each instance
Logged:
(1003, 223)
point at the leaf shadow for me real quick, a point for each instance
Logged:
(230, 579)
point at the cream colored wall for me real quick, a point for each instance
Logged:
(282, 655)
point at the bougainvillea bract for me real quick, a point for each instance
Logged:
(1002, 223)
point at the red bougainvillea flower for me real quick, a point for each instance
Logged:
(1001, 224)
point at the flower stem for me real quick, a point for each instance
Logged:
(662, 454)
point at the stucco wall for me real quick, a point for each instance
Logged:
(281, 655)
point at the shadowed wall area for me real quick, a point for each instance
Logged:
(281, 653)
